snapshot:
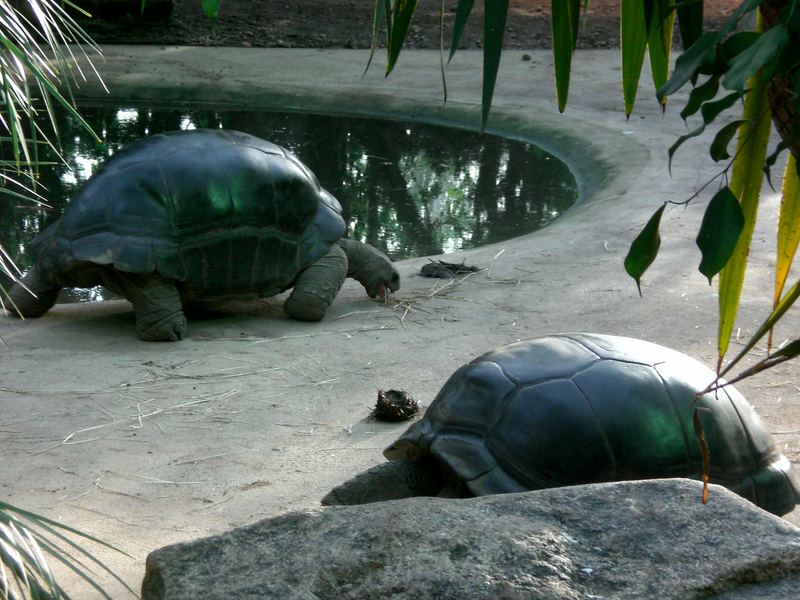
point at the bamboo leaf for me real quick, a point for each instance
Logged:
(211, 8)
(690, 22)
(746, 186)
(377, 17)
(788, 227)
(495, 14)
(564, 23)
(644, 248)
(722, 224)
(762, 52)
(659, 43)
(463, 11)
(719, 147)
(401, 13)
(633, 43)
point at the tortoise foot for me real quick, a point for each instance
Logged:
(156, 302)
(33, 298)
(171, 328)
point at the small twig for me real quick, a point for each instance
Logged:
(149, 479)
(210, 457)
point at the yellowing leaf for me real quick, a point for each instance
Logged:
(745, 183)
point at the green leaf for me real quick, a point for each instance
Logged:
(463, 11)
(377, 17)
(722, 224)
(736, 44)
(758, 55)
(644, 248)
(702, 93)
(494, 25)
(633, 43)
(709, 111)
(211, 8)
(690, 21)
(719, 147)
(686, 64)
(659, 44)
(401, 14)
(564, 24)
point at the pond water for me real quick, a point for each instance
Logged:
(407, 188)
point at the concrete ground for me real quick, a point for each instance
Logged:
(144, 444)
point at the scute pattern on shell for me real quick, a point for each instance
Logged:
(224, 210)
(580, 408)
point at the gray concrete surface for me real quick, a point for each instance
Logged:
(146, 444)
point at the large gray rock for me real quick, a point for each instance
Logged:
(605, 541)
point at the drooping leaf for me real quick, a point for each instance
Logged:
(401, 13)
(463, 10)
(736, 44)
(757, 56)
(686, 64)
(788, 227)
(746, 186)
(702, 93)
(564, 29)
(211, 8)
(719, 147)
(644, 248)
(722, 224)
(633, 43)
(494, 29)
(659, 43)
(709, 111)
(690, 22)
(377, 17)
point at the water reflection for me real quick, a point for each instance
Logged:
(409, 189)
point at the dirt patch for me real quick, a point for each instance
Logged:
(347, 23)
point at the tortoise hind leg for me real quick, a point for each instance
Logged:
(317, 286)
(387, 481)
(33, 296)
(156, 303)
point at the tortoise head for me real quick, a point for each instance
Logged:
(370, 267)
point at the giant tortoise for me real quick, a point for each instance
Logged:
(181, 218)
(575, 409)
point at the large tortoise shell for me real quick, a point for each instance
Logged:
(581, 408)
(220, 209)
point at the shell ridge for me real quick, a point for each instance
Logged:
(598, 422)
(673, 401)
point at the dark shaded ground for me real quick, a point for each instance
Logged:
(347, 23)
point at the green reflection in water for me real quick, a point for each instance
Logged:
(408, 189)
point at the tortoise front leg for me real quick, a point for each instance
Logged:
(317, 286)
(35, 296)
(156, 303)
